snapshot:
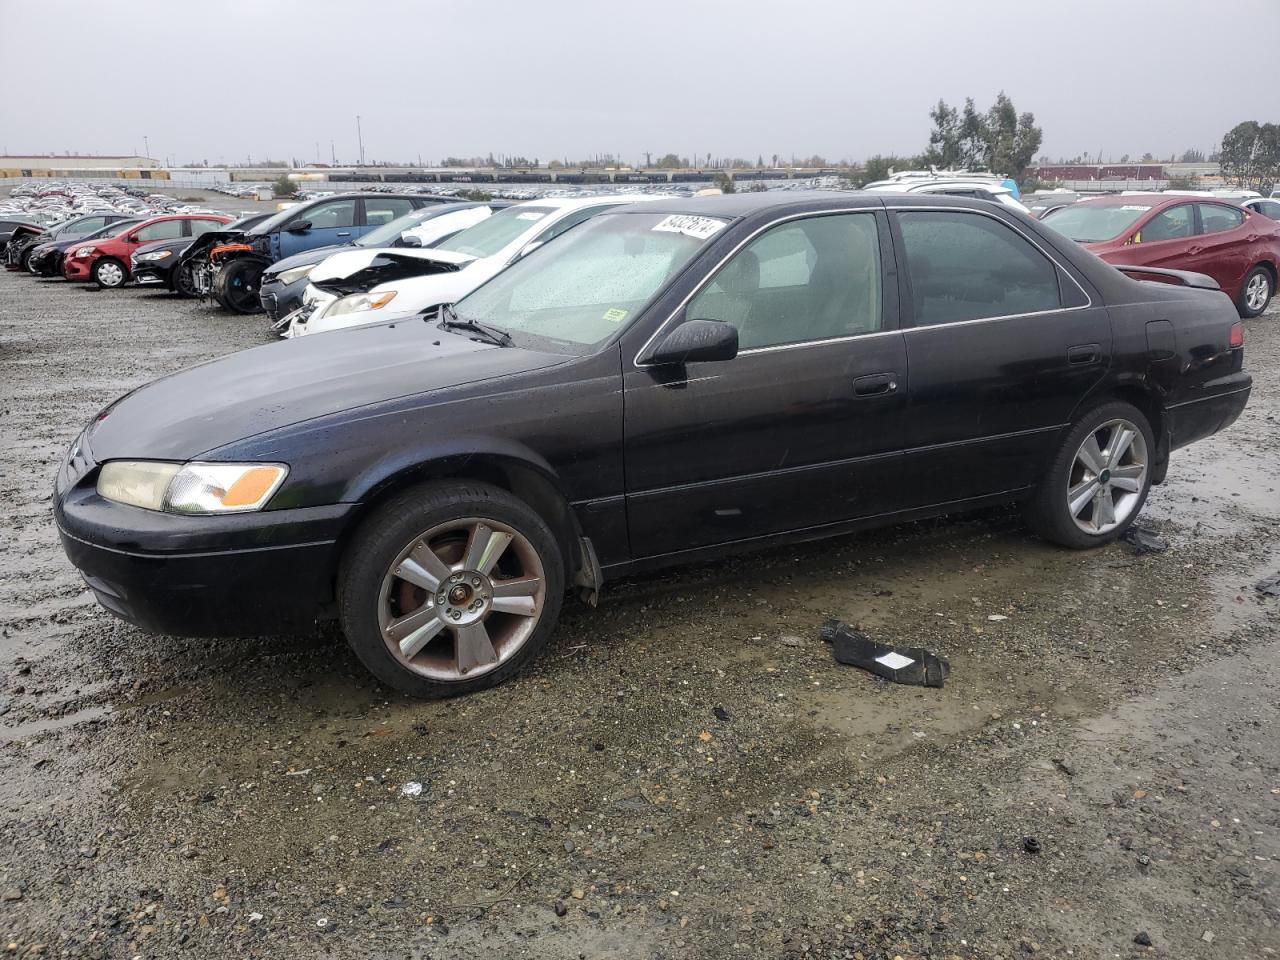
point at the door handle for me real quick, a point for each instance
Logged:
(345, 233)
(1084, 353)
(875, 385)
(1192, 251)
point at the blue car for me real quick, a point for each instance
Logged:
(228, 264)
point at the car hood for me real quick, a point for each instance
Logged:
(239, 396)
(358, 270)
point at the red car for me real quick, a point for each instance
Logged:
(1238, 248)
(106, 261)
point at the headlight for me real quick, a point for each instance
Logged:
(85, 251)
(155, 255)
(294, 275)
(360, 302)
(191, 487)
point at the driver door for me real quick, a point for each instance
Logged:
(803, 427)
(330, 223)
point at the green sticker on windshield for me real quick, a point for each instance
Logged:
(615, 314)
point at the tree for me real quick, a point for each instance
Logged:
(670, 161)
(880, 166)
(1191, 156)
(724, 182)
(1250, 154)
(282, 186)
(1000, 140)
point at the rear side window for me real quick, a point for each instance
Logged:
(1269, 208)
(199, 227)
(164, 230)
(380, 210)
(965, 266)
(1217, 217)
(802, 281)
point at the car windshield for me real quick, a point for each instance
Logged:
(583, 287)
(492, 234)
(389, 233)
(1091, 223)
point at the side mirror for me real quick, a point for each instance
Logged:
(302, 226)
(410, 241)
(695, 341)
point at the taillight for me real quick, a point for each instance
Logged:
(1237, 334)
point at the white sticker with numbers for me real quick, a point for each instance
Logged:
(700, 228)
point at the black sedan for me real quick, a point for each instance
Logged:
(156, 263)
(664, 383)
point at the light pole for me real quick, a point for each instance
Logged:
(360, 139)
(146, 147)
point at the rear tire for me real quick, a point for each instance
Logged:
(236, 284)
(1256, 292)
(1098, 480)
(449, 588)
(109, 273)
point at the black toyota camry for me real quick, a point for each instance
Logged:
(663, 383)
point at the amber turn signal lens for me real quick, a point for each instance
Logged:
(251, 487)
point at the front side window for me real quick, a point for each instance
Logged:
(966, 266)
(1218, 217)
(1172, 224)
(331, 216)
(164, 230)
(805, 280)
(586, 286)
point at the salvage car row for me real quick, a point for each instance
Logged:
(565, 392)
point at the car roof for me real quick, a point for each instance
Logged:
(574, 203)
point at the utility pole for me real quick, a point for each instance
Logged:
(360, 139)
(146, 147)
(333, 154)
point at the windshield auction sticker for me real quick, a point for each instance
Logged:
(700, 228)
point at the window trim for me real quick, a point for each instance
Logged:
(1205, 202)
(904, 273)
(885, 274)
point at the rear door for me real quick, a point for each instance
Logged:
(1002, 343)
(333, 221)
(801, 429)
(1221, 247)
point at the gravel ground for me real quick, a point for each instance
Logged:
(686, 772)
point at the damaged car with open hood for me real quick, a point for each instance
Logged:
(228, 264)
(356, 287)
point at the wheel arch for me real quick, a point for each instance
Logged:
(508, 466)
(1139, 394)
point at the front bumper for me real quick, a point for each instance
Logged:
(279, 298)
(76, 269)
(247, 574)
(149, 272)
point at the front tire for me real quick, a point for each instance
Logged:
(235, 286)
(1256, 292)
(1098, 480)
(109, 273)
(450, 588)
(183, 283)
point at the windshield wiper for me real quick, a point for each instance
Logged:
(449, 320)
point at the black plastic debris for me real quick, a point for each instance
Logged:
(1269, 585)
(1146, 541)
(1031, 845)
(721, 714)
(1142, 938)
(911, 665)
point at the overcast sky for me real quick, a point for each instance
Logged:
(220, 81)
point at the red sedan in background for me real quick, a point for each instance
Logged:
(1238, 248)
(106, 261)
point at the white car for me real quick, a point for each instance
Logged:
(356, 287)
(1266, 206)
(977, 186)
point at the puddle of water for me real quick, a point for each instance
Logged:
(38, 728)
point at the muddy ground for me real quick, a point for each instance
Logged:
(686, 772)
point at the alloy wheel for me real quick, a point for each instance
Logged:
(1108, 477)
(1257, 293)
(461, 599)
